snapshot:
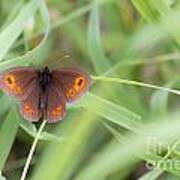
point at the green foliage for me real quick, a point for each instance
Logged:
(131, 51)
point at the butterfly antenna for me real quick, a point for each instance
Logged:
(64, 57)
(60, 60)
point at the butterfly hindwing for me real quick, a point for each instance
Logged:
(29, 108)
(56, 105)
(72, 81)
(17, 82)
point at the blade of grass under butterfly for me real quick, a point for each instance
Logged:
(31, 130)
(15, 28)
(8, 132)
(30, 55)
(2, 177)
(30, 155)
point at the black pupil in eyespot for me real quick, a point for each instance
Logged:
(80, 82)
(9, 80)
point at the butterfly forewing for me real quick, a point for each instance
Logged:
(72, 81)
(56, 106)
(17, 82)
(30, 107)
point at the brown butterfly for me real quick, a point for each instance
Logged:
(43, 93)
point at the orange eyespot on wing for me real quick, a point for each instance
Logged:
(79, 83)
(28, 109)
(10, 82)
(70, 92)
(17, 81)
(30, 112)
(77, 88)
(72, 81)
(56, 112)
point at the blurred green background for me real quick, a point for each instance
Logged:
(127, 126)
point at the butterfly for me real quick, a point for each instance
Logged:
(43, 93)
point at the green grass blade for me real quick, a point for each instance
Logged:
(30, 56)
(135, 83)
(146, 9)
(85, 122)
(159, 102)
(6, 101)
(118, 156)
(15, 28)
(32, 150)
(8, 132)
(112, 112)
(95, 49)
(151, 175)
(2, 177)
(31, 130)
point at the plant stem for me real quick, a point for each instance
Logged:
(31, 152)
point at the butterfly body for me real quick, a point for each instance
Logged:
(44, 78)
(43, 93)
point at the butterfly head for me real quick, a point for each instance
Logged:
(44, 78)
